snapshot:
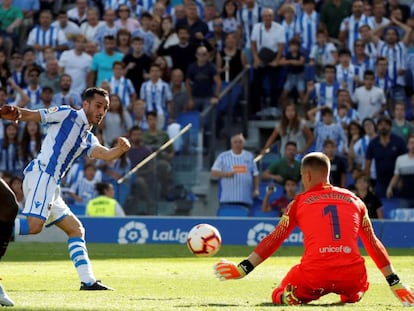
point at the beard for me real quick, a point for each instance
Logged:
(384, 132)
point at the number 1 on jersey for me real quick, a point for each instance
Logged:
(332, 210)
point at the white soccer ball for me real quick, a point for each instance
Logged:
(204, 240)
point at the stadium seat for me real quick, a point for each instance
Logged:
(233, 210)
(259, 213)
(403, 214)
(389, 206)
(78, 209)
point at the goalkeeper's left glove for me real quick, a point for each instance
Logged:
(400, 290)
(226, 270)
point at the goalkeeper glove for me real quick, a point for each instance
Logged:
(400, 290)
(226, 270)
(404, 294)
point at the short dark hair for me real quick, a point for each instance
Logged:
(151, 114)
(369, 72)
(294, 41)
(137, 38)
(109, 37)
(101, 187)
(370, 120)
(34, 69)
(89, 93)
(118, 62)
(326, 110)
(345, 51)
(154, 65)
(291, 143)
(146, 15)
(47, 88)
(135, 128)
(329, 66)
(328, 142)
(182, 27)
(385, 119)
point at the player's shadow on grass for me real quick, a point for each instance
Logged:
(332, 304)
(219, 305)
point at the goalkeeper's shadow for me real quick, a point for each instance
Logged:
(331, 304)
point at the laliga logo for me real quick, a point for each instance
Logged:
(258, 232)
(133, 232)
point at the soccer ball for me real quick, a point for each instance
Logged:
(204, 240)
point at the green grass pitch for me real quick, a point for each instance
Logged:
(39, 276)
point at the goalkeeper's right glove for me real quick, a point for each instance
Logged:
(401, 291)
(226, 270)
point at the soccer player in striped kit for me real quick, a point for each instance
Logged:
(68, 137)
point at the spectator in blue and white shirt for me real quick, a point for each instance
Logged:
(145, 33)
(307, 25)
(107, 29)
(65, 96)
(347, 75)
(113, 4)
(122, 86)
(237, 173)
(360, 59)
(78, 13)
(382, 79)
(394, 50)
(324, 93)
(349, 30)
(288, 23)
(322, 53)
(157, 96)
(329, 129)
(248, 15)
(45, 35)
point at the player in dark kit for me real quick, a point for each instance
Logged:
(8, 212)
(331, 219)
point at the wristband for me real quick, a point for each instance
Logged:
(246, 266)
(392, 279)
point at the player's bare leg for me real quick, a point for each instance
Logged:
(79, 254)
(8, 212)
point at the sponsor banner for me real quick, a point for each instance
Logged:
(234, 231)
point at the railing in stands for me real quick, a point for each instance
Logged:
(210, 112)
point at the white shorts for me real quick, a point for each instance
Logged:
(43, 199)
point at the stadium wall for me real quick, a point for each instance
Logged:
(234, 231)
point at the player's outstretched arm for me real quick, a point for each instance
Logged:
(107, 154)
(13, 113)
(379, 254)
(402, 291)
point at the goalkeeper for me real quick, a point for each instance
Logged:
(331, 220)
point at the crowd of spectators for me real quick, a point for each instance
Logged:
(335, 69)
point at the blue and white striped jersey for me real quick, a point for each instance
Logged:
(123, 88)
(306, 28)
(156, 96)
(104, 31)
(351, 25)
(114, 4)
(239, 188)
(68, 137)
(247, 19)
(397, 59)
(52, 37)
(333, 131)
